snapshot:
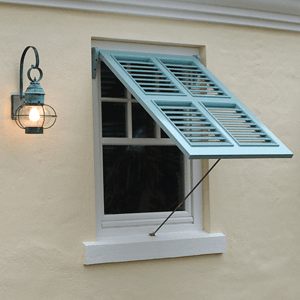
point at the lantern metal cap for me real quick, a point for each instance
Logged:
(34, 93)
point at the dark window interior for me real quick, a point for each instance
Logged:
(137, 178)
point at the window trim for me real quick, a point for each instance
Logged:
(134, 243)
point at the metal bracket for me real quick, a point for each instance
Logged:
(94, 62)
(16, 101)
(197, 57)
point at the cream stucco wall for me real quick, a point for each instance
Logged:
(47, 181)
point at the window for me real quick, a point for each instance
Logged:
(142, 170)
(144, 104)
(152, 167)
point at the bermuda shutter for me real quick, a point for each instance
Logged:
(193, 107)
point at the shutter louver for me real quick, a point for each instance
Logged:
(194, 79)
(192, 106)
(243, 129)
(147, 75)
(192, 123)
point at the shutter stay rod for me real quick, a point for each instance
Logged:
(170, 215)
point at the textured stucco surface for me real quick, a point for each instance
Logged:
(47, 181)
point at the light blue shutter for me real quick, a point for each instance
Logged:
(193, 107)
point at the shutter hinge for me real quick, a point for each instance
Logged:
(94, 62)
(197, 57)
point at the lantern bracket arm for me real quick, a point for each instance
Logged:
(18, 100)
(36, 66)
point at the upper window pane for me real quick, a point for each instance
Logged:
(113, 119)
(143, 125)
(111, 87)
(163, 134)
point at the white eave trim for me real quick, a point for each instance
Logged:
(192, 10)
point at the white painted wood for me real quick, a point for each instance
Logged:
(146, 47)
(145, 230)
(126, 237)
(196, 175)
(96, 91)
(145, 247)
(277, 14)
(152, 215)
(141, 222)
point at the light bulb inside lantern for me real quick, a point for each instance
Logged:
(34, 115)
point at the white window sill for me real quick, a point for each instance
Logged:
(144, 247)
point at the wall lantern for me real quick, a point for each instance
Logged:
(28, 109)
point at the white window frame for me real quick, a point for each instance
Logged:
(126, 237)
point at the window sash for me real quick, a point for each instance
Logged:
(121, 221)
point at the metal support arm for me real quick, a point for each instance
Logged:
(170, 215)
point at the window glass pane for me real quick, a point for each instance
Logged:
(163, 134)
(113, 119)
(110, 84)
(143, 125)
(142, 179)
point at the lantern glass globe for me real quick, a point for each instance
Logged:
(35, 116)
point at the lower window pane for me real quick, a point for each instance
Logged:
(139, 179)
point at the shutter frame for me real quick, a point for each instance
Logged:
(161, 82)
